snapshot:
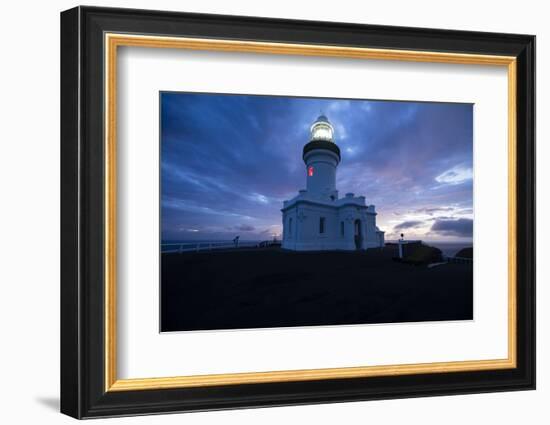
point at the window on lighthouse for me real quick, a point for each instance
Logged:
(322, 133)
(310, 171)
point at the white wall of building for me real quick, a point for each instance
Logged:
(304, 232)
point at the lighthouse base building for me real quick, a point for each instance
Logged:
(317, 218)
(345, 224)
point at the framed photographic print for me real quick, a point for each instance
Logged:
(261, 212)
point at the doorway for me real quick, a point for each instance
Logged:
(358, 234)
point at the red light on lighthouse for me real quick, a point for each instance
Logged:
(310, 171)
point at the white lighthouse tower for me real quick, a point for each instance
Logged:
(317, 219)
(321, 156)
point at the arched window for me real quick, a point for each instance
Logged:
(342, 228)
(290, 227)
(322, 225)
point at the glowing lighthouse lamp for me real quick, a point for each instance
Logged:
(322, 129)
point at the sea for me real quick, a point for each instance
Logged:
(449, 249)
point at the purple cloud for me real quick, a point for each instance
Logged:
(408, 225)
(245, 228)
(463, 227)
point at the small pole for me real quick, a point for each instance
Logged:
(401, 246)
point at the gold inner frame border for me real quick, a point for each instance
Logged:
(111, 43)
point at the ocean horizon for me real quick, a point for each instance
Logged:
(450, 249)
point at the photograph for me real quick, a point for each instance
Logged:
(284, 211)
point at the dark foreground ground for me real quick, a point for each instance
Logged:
(270, 287)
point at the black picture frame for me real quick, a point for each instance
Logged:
(83, 392)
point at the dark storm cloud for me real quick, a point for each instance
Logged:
(408, 225)
(245, 228)
(231, 160)
(462, 227)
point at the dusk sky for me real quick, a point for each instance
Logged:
(229, 161)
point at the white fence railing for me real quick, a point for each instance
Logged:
(210, 246)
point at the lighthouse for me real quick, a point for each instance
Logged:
(321, 156)
(317, 218)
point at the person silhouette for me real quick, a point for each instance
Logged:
(236, 241)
